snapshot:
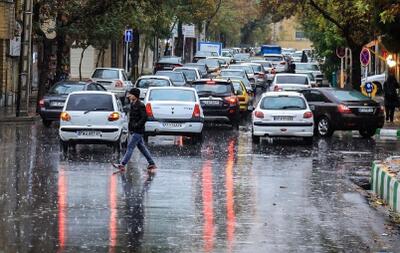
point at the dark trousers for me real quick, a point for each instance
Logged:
(390, 112)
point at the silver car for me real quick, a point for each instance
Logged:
(114, 80)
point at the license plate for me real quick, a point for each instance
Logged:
(89, 133)
(283, 118)
(210, 102)
(57, 104)
(173, 125)
(366, 110)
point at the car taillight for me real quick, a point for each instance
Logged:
(177, 65)
(149, 111)
(231, 100)
(277, 88)
(273, 71)
(113, 116)
(119, 83)
(41, 103)
(196, 111)
(283, 63)
(381, 109)
(307, 115)
(344, 109)
(64, 116)
(259, 114)
(158, 66)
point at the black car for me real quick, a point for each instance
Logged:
(338, 109)
(218, 100)
(168, 63)
(53, 102)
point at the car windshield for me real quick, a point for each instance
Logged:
(152, 82)
(283, 103)
(189, 73)
(106, 74)
(237, 86)
(349, 95)
(65, 88)
(292, 80)
(172, 95)
(273, 58)
(90, 102)
(232, 73)
(312, 67)
(216, 88)
(174, 76)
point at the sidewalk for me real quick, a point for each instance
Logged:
(7, 115)
(391, 129)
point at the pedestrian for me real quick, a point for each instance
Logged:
(390, 87)
(304, 57)
(137, 120)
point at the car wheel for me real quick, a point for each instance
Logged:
(324, 128)
(198, 138)
(308, 140)
(255, 139)
(46, 123)
(367, 133)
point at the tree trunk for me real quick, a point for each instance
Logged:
(179, 42)
(356, 67)
(102, 57)
(98, 58)
(134, 55)
(143, 57)
(80, 62)
(43, 66)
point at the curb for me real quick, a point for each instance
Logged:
(10, 120)
(385, 186)
(385, 132)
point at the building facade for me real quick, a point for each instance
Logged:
(288, 33)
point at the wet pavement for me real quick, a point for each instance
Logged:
(225, 195)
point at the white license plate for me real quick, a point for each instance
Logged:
(283, 118)
(172, 125)
(210, 102)
(57, 104)
(366, 110)
(89, 133)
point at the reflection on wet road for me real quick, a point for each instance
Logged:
(225, 195)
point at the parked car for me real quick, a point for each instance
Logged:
(245, 99)
(113, 79)
(168, 63)
(202, 67)
(145, 82)
(304, 68)
(190, 73)
(52, 103)
(218, 100)
(337, 109)
(203, 55)
(282, 114)
(290, 82)
(93, 117)
(177, 78)
(173, 111)
(279, 62)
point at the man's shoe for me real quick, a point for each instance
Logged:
(119, 166)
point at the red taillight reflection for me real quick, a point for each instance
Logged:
(114, 116)
(41, 103)
(149, 111)
(307, 115)
(119, 83)
(196, 111)
(344, 109)
(232, 100)
(259, 114)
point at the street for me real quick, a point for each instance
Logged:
(225, 195)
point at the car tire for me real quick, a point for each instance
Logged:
(198, 138)
(367, 133)
(308, 140)
(255, 139)
(46, 123)
(324, 127)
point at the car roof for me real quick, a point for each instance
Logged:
(91, 92)
(172, 88)
(154, 77)
(73, 82)
(282, 93)
(290, 74)
(108, 68)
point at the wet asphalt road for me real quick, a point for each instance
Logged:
(226, 195)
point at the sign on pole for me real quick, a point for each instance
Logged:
(128, 35)
(365, 57)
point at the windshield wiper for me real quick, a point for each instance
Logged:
(95, 109)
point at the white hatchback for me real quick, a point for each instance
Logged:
(290, 82)
(282, 114)
(91, 117)
(143, 83)
(173, 111)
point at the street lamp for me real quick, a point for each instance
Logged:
(390, 61)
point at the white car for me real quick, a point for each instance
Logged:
(305, 68)
(190, 73)
(143, 83)
(268, 68)
(90, 117)
(174, 111)
(279, 62)
(113, 79)
(282, 114)
(290, 82)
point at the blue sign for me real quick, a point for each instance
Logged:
(128, 35)
(369, 87)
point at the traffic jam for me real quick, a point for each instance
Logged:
(269, 88)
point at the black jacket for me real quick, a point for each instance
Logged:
(137, 117)
(390, 92)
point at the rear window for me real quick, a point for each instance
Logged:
(283, 103)
(273, 58)
(90, 102)
(349, 95)
(106, 74)
(65, 88)
(311, 67)
(241, 56)
(172, 95)
(173, 60)
(292, 80)
(231, 73)
(257, 68)
(265, 64)
(213, 63)
(217, 88)
(174, 76)
(190, 74)
(152, 82)
(248, 69)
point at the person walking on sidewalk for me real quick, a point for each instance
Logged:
(390, 87)
(137, 120)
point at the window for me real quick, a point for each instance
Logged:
(349, 95)
(314, 96)
(217, 89)
(106, 74)
(172, 95)
(152, 82)
(90, 102)
(292, 80)
(299, 35)
(65, 88)
(283, 103)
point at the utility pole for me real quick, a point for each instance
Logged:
(25, 61)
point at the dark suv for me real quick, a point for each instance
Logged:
(218, 100)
